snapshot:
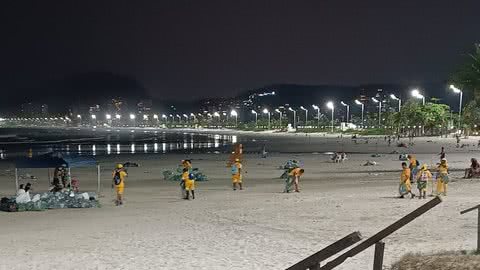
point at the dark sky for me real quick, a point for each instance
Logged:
(206, 48)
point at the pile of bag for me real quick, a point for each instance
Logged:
(176, 175)
(50, 200)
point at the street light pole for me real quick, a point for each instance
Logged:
(294, 117)
(235, 114)
(306, 114)
(267, 112)
(331, 107)
(278, 111)
(379, 111)
(392, 96)
(318, 115)
(256, 118)
(348, 109)
(363, 108)
(456, 90)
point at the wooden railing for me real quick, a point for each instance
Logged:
(373, 240)
(478, 223)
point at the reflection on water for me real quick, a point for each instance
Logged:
(182, 142)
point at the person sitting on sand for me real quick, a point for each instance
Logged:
(237, 175)
(343, 157)
(474, 170)
(423, 176)
(293, 179)
(189, 184)
(442, 177)
(118, 182)
(405, 185)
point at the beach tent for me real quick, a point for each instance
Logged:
(54, 161)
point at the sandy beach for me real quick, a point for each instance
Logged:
(257, 228)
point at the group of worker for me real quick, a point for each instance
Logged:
(188, 180)
(421, 174)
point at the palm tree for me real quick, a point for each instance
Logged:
(468, 75)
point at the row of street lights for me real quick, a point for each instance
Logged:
(330, 105)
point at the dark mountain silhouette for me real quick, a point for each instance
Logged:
(81, 89)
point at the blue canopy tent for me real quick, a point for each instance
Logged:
(54, 161)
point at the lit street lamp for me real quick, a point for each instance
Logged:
(306, 114)
(145, 117)
(79, 116)
(458, 91)
(265, 111)
(294, 117)
(331, 107)
(118, 116)
(235, 114)
(379, 110)
(392, 96)
(108, 116)
(416, 94)
(132, 117)
(280, 113)
(348, 109)
(318, 114)
(94, 116)
(256, 117)
(363, 108)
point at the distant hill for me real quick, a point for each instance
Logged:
(83, 88)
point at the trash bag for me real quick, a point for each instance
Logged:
(23, 197)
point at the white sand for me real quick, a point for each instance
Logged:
(258, 228)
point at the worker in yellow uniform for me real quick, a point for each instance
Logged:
(186, 163)
(442, 177)
(405, 184)
(423, 177)
(237, 174)
(189, 184)
(118, 182)
(293, 179)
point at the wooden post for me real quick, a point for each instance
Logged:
(98, 180)
(313, 262)
(478, 231)
(16, 180)
(383, 233)
(378, 259)
(478, 223)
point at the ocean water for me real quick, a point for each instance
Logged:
(18, 142)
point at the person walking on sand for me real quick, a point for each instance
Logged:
(189, 184)
(118, 182)
(442, 153)
(237, 174)
(423, 177)
(405, 184)
(442, 177)
(293, 179)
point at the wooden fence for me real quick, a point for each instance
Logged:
(313, 262)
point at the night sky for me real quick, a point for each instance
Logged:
(207, 48)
